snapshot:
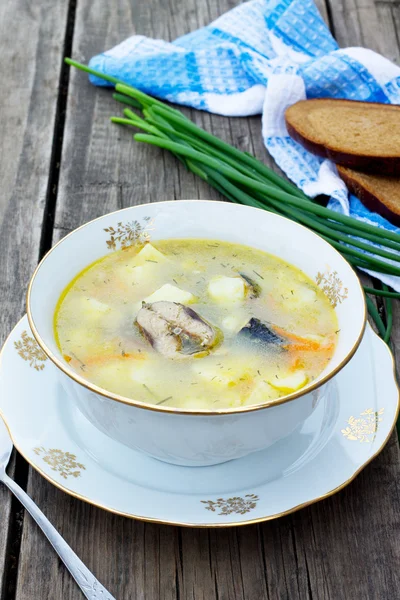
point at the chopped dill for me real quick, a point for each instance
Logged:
(82, 365)
(149, 390)
(165, 400)
(260, 276)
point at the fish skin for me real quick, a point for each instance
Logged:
(171, 327)
(254, 288)
(158, 332)
(187, 319)
(257, 331)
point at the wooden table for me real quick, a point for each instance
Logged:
(62, 164)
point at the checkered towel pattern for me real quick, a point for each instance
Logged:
(260, 58)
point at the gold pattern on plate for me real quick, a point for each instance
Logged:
(29, 350)
(364, 428)
(222, 524)
(236, 504)
(332, 287)
(63, 463)
(129, 234)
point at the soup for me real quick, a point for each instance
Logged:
(197, 324)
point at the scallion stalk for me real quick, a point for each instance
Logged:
(374, 313)
(243, 179)
(262, 187)
(389, 314)
(383, 292)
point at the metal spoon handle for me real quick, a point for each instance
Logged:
(90, 586)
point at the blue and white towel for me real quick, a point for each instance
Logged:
(261, 57)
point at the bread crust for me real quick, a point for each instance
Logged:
(373, 164)
(368, 198)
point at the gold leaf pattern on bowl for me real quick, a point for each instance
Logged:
(29, 350)
(363, 429)
(236, 504)
(129, 234)
(332, 286)
(63, 463)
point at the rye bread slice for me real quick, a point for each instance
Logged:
(379, 193)
(359, 135)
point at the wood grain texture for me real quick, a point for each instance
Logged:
(31, 39)
(344, 547)
(390, 30)
(364, 23)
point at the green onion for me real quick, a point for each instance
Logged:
(389, 315)
(376, 239)
(243, 179)
(262, 187)
(374, 313)
(227, 148)
(385, 293)
(120, 121)
(81, 67)
(127, 100)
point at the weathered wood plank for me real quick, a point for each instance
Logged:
(31, 39)
(364, 23)
(390, 30)
(328, 551)
(8, 561)
(322, 7)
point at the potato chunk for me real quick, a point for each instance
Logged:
(234, 322)
(263, 392)
(149, 254)
(227, 289)
(171, 293)
(290, 383)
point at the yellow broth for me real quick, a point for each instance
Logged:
(225, 284)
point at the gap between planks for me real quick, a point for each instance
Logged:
(51, 196)
(21, 472)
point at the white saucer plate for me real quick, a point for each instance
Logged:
(345, 432)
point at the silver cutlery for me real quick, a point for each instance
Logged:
(91, 588)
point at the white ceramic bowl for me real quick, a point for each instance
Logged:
(200, 437)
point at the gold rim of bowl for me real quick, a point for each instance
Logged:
(166, 409)
(213, 525)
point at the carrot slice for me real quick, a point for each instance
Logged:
(301, 343)
(102, 359)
